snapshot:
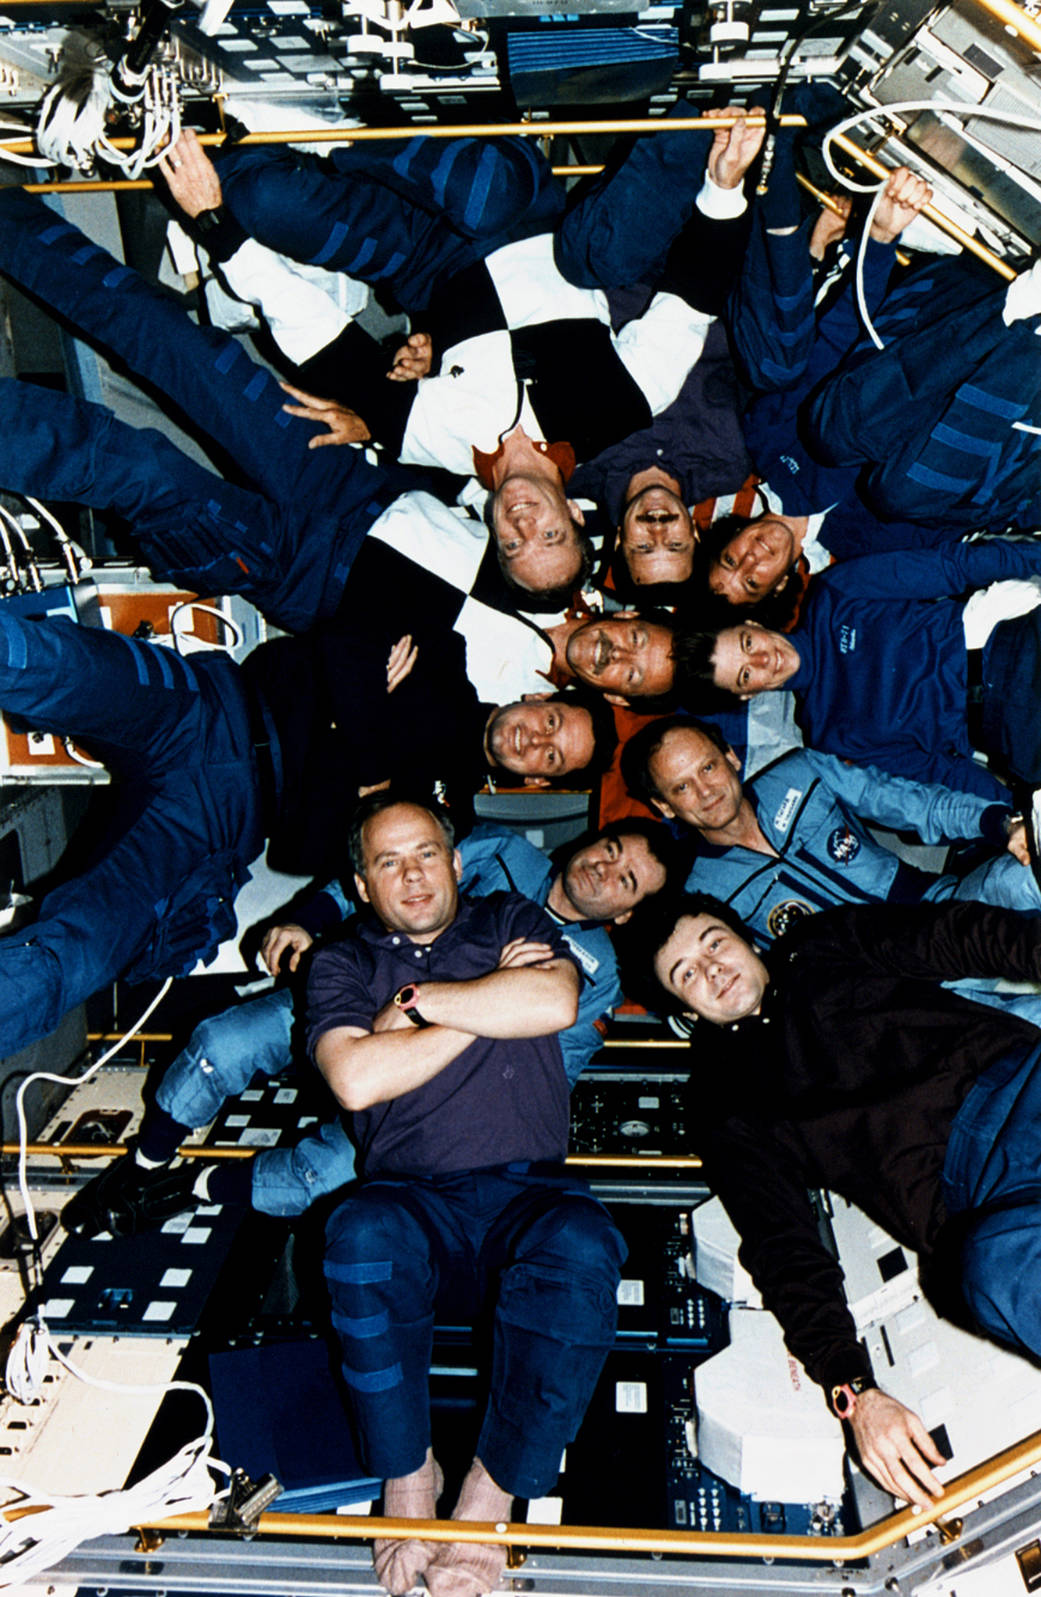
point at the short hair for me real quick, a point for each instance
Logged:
(605, 736)
(774, 610)
(375, 804)
(641, 749)
(641, 940)
(660, 843)
(695, 682)
(545, 600)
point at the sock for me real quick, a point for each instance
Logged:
(228, 1181)
(466, 1569)
(399, 1563)
(159, 1138)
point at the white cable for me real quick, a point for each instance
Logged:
(201, 645)
(66, 1081)
(70, 130)
(18, 131)
(870, 114)
(36, 1540)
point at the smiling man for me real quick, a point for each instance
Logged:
(436, 1028)
(656, 537)
(626, 655)
(797, 838)
(546, 737)
(839, 1061)
(891, 666)
(588, 886)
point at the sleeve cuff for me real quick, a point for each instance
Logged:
(844, 1364)
(217, 231)
(721, 205)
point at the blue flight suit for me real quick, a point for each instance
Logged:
(288, 544)
(160, 894)
(885, 679)
(812, 809)
(227, 1050)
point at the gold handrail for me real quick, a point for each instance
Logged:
(1014, 17)
(198, 1150)
(876, 1538)
(352, 135)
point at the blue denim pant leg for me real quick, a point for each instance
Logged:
(558, 1256)
(992, 1179)
(390, 1247)
(620, 231)
(160, 893)
(345, 220)
(194, 529)
(288, 1180)
(223, 1055)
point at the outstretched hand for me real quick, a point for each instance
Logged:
(282, 940)
(894, 1446)
(343, 426)
(1017, 842)
(190, 175)
(413, 360)
(734, 149)
(903, 197)
(400, 661)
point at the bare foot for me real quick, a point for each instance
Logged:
(399, 1564)
(465, 1569)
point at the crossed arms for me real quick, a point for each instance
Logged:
(529, 994)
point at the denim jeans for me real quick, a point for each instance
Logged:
(532, 1240)
(223, 1054)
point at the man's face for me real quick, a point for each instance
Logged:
(711, 970)
(622, 655)
(538, 543)
(607, 879)
(697, 783)
(749, 659)
(411, 874)
(657, 536)
(753, 564)
(540, 738)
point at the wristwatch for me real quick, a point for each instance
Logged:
(844, 1397)
(406, 998)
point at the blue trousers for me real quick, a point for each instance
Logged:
(536, 1248)
(620, 230)
(407, 215)
(286, 543)
(223, 1055)
(934, 414)
(992, 1174)
(160, 894)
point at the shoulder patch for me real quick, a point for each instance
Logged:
(783, 917)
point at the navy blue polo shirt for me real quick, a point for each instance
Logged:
(501, 1100)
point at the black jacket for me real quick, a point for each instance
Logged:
(849, 1079)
